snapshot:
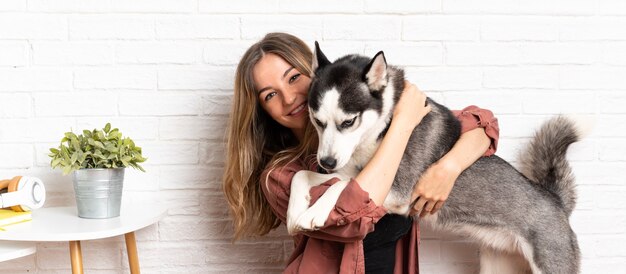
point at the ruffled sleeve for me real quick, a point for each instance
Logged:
(473, 117)
(352, 218)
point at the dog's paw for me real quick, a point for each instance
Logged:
(293, 215)
(292, 227)
(311, 220)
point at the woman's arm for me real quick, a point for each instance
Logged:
(479, 138)
(378, 174)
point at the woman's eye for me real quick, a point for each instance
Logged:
(348, 123)
(294, 77)
(270, 95)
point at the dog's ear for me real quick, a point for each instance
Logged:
(375, 73)
(319, 59)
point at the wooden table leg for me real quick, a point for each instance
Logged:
(77, 257)
(131, 249)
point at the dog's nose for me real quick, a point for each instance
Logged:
(328, 163)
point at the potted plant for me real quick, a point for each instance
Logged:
(97, 159)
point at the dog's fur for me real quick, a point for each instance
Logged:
(351, 102)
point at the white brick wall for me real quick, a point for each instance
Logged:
(162, 72)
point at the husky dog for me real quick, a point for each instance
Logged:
(504, 210)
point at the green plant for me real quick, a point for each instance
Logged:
(96, 149)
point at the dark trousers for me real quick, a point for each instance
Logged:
(379, 246)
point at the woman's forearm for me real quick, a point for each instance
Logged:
(470, 146)
(377, 176)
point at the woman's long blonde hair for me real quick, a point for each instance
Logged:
(256, 141)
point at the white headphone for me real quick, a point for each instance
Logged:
(23, 193)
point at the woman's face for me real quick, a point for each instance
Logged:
(282, 91)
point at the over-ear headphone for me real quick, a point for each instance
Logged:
(22, 193)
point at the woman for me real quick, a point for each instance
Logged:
(271, 138)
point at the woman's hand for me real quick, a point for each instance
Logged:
(411, 107)
(433, 187)
(435, 184)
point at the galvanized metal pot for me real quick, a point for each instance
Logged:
(98, 192)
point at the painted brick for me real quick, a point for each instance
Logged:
(59, 6)
(403, 7)
(171, 153)
(35, 79)
(562, 102)
(556, 7)
(158, 53)
(33, 26)
(323, 6)
(224, 52)
(67, 104)
(603, 265)
(151, 6)
(612, 53)
(115, 78)
(16, 155)
(245, 252)
(476, 54)
(207, 79)
(306, 27)
(521, 77)
(587, 29)
(611, 126)
(598, 222)
(13, 54)
(513, 28)
(446, 78)
(150, 104)
(213, 154)
(217, 104)
(594, 173)
(592, 77)
(137, 128)
(72, 53)
(459, 252)
(560, 53)
(18, 5)
(408, 54)
(611, 198)
(440, 28)
(192, 128)
(35, 129)
(500, 102)
(190, 177)
(15, 105)
(197, 27)
(225, 6)
(429, 251)
(611, 7)
(612, 150)
(181, 228)
(96, 27)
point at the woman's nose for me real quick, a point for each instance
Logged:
(289, 98)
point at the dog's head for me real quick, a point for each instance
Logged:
(349, 103)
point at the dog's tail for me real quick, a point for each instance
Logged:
(543, 160)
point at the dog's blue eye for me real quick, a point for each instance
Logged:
(348, 123)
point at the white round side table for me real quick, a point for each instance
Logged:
(60, 224)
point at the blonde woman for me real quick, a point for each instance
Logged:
(270, 138)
